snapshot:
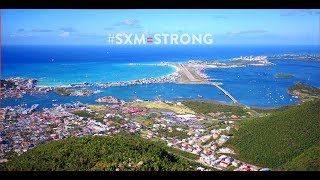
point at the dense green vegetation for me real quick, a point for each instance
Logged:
(73, 92)
(63, 91)
(269, 110)
(208, 107)
(304, 91)
(122, 151)
(281, 137)
(309, 160)
(286, 76)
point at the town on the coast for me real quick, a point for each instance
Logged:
(24, 128)
(173, 122)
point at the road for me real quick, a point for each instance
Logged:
(225, 92)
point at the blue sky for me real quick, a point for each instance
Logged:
(82, 27)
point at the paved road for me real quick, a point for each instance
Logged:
(187, 73)
(225, 92)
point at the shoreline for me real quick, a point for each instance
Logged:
(199, 67)
(189, 72)
(79, 84)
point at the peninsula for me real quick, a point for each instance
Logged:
(191, 72)
(296, 57)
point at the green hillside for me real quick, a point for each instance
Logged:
(125, 152)
(309, 160)
(282, 139)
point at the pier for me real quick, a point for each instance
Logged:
(225, 92)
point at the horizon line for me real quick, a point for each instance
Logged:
(161, 45)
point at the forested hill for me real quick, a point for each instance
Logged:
(119, 152)
(288, 139)
(304, 91)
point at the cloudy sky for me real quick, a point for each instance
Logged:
(84, 27)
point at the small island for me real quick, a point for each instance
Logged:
(284, 76)
(73, 92)
(108, 99)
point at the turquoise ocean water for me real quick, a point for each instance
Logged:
(62, 65)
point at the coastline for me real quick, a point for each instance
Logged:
(196, 69)
(81, 84)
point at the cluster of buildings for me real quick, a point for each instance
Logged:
(251, 61)
(252, 58)
(18, 87)
(296, 56)
(172, 78)
(208, 145)
(108, 99)
(133, 110)
(84, 84)
(22, 129)
(131, 126)
(228, 118)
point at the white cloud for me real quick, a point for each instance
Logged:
(131, 23)
(220, 17)
(65, 34)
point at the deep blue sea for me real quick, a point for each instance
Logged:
(252, 86)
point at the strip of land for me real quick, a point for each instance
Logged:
(187, 75)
